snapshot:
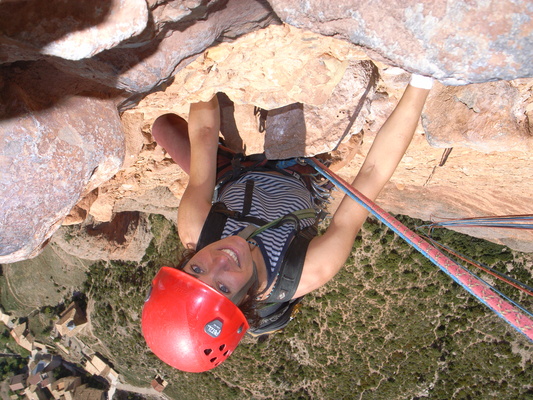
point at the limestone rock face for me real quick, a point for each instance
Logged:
(125, 237)
(119, 47)
(66, 68)
(150, 63)
(456, 42)
(56, 146)
(279, 65)
(488, 117)
(308, 130)
(70, 30)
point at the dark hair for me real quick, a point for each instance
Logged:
(248, 305)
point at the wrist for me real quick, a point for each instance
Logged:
(422, 82)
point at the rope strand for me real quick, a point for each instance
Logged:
(475, 286)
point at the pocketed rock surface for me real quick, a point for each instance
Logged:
(345, 66)
(484, 174)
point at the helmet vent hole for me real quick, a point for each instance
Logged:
(207, 351)
(213, 360)
(240, 328)
(225, 353)
(222, 347)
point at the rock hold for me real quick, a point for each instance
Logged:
(488, 117)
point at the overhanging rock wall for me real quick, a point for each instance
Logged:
(67, 68)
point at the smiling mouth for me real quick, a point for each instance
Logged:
(232, 255)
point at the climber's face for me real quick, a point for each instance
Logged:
(226, 265)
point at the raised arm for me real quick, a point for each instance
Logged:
(204, 126)
(328, 253)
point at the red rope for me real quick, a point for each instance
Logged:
(488, 271)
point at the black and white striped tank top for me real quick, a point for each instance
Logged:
(274, 196)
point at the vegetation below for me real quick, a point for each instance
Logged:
(390, 325)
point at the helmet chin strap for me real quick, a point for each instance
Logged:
(246, 234)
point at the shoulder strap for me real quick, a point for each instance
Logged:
(213, 225)
(292, 266)
(216, 220)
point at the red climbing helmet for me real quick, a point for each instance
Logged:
(188, 324)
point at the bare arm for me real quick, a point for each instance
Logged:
(204, 125)
(328, 253)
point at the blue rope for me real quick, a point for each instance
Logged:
(511, 221)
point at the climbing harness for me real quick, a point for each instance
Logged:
(510, 313)
(279, 307)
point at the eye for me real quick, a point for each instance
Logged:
(223, 288)
(196, 269)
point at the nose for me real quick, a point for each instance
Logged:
(220, 262)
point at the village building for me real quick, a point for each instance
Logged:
(53, 362)
(159, 384)
(6, 319)
(41, 379)
(35, 379)
(71, 321)
(64, 388)
(17, 382)
(36, 393)
(97, 366)
(87, 393)
(112, 376)
(40, 347)
(22, 336)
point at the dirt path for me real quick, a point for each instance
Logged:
(7, 272)
(146, 391)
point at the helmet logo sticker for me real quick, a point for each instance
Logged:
(213, 328)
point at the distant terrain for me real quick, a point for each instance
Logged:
(389, 326)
